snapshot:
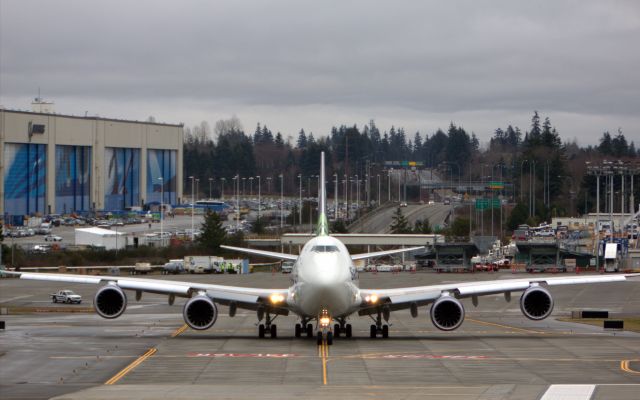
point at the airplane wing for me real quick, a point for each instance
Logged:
(243, 297)
(383, 253)
(402, 298)
(272, 254)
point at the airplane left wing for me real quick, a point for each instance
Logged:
(264, 253)
(362, 256)
(243, 297)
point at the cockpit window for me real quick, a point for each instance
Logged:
(324, 249)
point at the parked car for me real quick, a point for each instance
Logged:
(66, 296)
(53, 238)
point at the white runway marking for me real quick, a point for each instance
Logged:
(16, 298)
(569, 392)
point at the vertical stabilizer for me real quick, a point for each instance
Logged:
(323, 224)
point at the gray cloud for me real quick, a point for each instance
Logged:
(312, 65)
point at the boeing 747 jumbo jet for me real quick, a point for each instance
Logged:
(324, 289)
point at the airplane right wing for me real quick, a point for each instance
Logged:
(362, 256)
(403, 298)
(272, 254)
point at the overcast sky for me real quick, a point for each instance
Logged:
(296, 64)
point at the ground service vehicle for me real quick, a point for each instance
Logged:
(66, 296)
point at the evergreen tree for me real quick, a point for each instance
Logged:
(279, 141)
(213, 233)
(302, 140)
(400, 223)
(257, 135)
(460, 228)
(422, 226)
(518, 216)
(606, 146)
(339, 227)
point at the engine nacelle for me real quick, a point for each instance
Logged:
(447, 313)
(536, 303)
(200, 312)
(110, 302)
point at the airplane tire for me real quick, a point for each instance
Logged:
(309, 330)
(385, 331)
(274, 332)
(298, 330)
(319, 338)
(373, 331)
(261, 331)
(336, 330)
(348, 331)
(329, 338)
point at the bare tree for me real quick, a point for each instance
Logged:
(224, 126)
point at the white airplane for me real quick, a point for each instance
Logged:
(324, 288)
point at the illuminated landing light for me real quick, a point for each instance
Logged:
(325, 319)
(371, 298)
(276, 298)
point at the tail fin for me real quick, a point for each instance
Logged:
(323, 224)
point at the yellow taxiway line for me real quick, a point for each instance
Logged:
(624, 365)
(179, 330)
(323, 351)
(131, 366)
(503, 326)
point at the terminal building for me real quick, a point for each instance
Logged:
(61, 164)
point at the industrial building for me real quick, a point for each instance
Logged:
(59, 164)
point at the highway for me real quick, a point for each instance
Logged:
(380, 222)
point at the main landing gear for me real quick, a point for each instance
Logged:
(304, 328)
(268, 327)
(342, 327)
(379, 328)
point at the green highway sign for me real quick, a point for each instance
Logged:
(485, 204)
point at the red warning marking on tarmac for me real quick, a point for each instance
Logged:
(243, 355)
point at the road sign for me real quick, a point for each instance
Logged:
(485, 204)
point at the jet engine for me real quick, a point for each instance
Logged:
(536, 303)
(200, 312)
(447, 313)
(110, 301)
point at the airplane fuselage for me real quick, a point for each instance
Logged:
(324, 279)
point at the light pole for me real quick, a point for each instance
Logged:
(357, 197)
(192, 203)
(236, 189)
(222, 193)
(521, 178)
(161, 211)
(571, 191)
(251, 187)
(346, 199)
(281, 201)
(389, 184)
(210, 182)
(335, 189)
(268, 184)
(300, 199)
(259, 200)
(378, 176)
(197, 187)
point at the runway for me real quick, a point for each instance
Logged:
(147, 353)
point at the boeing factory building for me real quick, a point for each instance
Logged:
(60, 164)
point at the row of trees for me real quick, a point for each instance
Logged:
(534, 159)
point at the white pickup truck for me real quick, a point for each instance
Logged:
(66, 296)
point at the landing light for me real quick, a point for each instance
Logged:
(325, 321)
(276, 298)
(371, 298)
